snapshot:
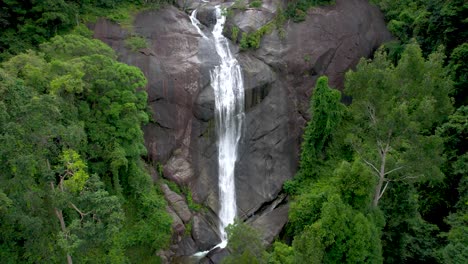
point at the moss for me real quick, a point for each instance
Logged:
(188, 228)
(255, 4)
(254, 39)
(191, 204)
(136, 43)
(234, 33)
(239, 4)
(173, 186)
(297, 10)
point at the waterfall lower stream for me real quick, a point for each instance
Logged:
(226, 80)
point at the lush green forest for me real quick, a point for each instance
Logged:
(383, 179)
(73, 185)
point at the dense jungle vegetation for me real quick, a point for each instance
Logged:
(73, 186)
(383, 179)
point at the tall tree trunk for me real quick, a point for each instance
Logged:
(378, 189)
(59, 215)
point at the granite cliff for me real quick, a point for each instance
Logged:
(278, 77)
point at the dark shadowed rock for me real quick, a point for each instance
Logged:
(216, 256)
(186, 247)
(258, 78)
(271, 223)
(207, 16)
(205, 231)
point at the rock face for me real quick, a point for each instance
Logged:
(278, 79)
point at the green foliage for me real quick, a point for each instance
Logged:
(339, 236)
(191, 204)
(255, 4)
(71, 119)
(234, 33)
(74, 171)
(245, 244)
(239, 4)
(253, 40)
(355, 183)
(306, 207)
(381, 149)
(394, 110)
(406, 237)
(326, 114)
(136, 43)
(431, 23)
(297, 10)
(459, 68)
(26, 24)
(281, 254)
(456, 250)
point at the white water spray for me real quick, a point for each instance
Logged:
(196, 23)
(228, 85)
(226, 80)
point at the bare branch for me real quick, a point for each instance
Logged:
(82, 215)
(395, 169)
(382, 192)
(406, 177)
(371, 112)
(372, 166)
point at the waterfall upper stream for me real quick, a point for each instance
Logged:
(226, 80)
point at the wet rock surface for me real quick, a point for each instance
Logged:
(279, 78)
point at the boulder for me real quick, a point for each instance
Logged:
(178, 169)
(271, 223)
(178, 226)
(205, 232)
(178, 203)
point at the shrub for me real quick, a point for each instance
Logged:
(256, 4)
(135, 43)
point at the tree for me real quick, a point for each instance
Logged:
(245, 244)
(341, 235)
(459, 68)
(395, 110)
(326, 114)
(70, 142)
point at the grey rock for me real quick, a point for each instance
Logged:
(178, 203)
(178, 169)
(178, 226)
(271, 223)
(257, 77)
(207, 16)
(252, 19)
(267, 152)
(216, 256)
(205, 232)
(186, 247)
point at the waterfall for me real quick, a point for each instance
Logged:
(196, 23)
(226, 80)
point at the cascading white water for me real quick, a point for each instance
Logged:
(228, 85)
(196, 23)
(226, 80)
